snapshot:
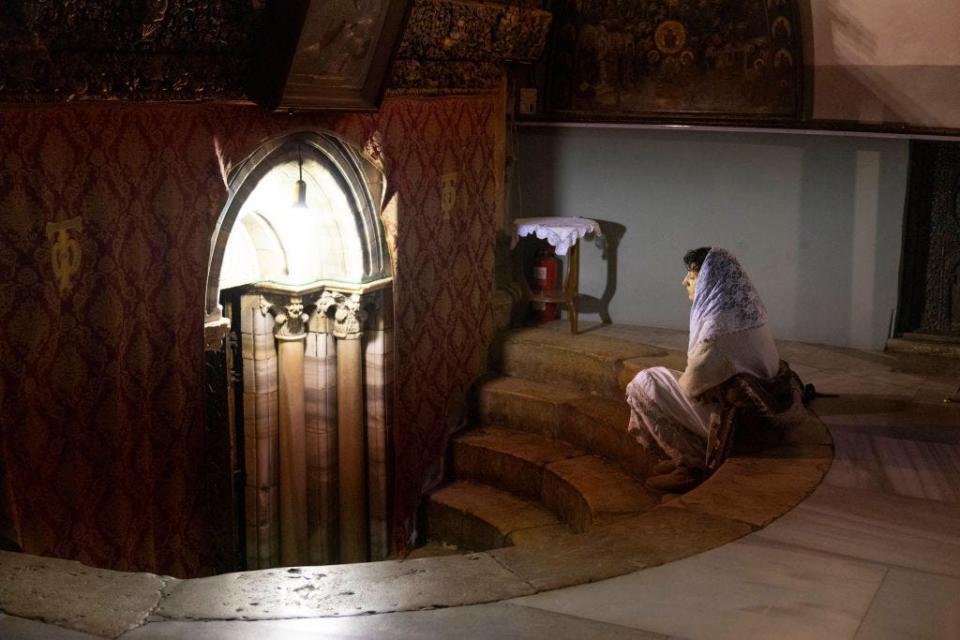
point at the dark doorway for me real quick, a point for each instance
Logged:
(930, 272)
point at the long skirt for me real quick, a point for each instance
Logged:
(664, 419)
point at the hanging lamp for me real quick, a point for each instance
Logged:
(301, 186)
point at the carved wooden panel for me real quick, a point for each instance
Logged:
(468, 31)
(675, 59)
(56, 50)
(297, 53)
(930, 285)
(462, 47)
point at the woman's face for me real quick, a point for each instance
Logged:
(690, 283)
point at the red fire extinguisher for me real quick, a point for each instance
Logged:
(546, 275)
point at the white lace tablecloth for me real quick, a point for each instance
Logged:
(561, 233)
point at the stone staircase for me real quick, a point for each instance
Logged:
(548, 454)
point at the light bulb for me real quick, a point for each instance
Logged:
(301, 187)
(300, 190)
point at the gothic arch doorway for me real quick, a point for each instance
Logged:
(298, 324)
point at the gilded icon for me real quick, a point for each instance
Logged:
(670, 37)
(781, 28)
(621, 61)
(782, 59)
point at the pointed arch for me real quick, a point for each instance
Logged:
(360, 186)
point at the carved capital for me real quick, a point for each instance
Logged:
(214, 333)
(347, 311)
(289, 317)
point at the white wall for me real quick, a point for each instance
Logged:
(815, 220)
(885, 61)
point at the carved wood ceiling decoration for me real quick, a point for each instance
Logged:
(450, 47)
(60, 50)
(243, 50)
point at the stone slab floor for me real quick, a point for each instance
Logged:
(874, 553)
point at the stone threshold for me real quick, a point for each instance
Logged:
(748, 492)
(925, 344)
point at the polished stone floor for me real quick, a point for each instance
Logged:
(873, 553)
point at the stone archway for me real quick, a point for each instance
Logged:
(298, 323)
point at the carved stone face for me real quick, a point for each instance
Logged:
(690, 283)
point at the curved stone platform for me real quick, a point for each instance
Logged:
(746, 493)
(584, 530)
(544, 452)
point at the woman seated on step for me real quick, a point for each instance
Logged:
(728, 336)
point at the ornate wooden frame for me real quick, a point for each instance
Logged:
(328, 54)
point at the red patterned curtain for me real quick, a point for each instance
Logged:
(106, 213)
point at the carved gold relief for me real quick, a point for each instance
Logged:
(155, 11)
(65, 254)
(152, 50)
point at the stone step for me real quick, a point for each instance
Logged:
(926, 346)
(478, 517)
(582, 489)
(510, 460)
(588, 491)
(931, 337)
(594, 364)
(589, 423)
(432, 550)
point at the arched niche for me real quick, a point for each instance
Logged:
(302, 397)
(293, 248)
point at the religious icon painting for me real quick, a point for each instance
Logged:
(674, 59)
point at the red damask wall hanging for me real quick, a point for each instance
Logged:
(106, 213)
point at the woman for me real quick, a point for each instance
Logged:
(728, 335)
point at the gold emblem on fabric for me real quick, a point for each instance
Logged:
(448, 193)
(65, 255)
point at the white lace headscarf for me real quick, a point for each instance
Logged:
(724, 301)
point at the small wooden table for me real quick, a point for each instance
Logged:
(564, 235)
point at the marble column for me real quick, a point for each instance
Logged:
(378, 395)
(290, 331)
(348, 318)
(320, 372)
(260, 434)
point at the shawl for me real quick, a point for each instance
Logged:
(728, 327)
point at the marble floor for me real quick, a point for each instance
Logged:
(873, 553)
